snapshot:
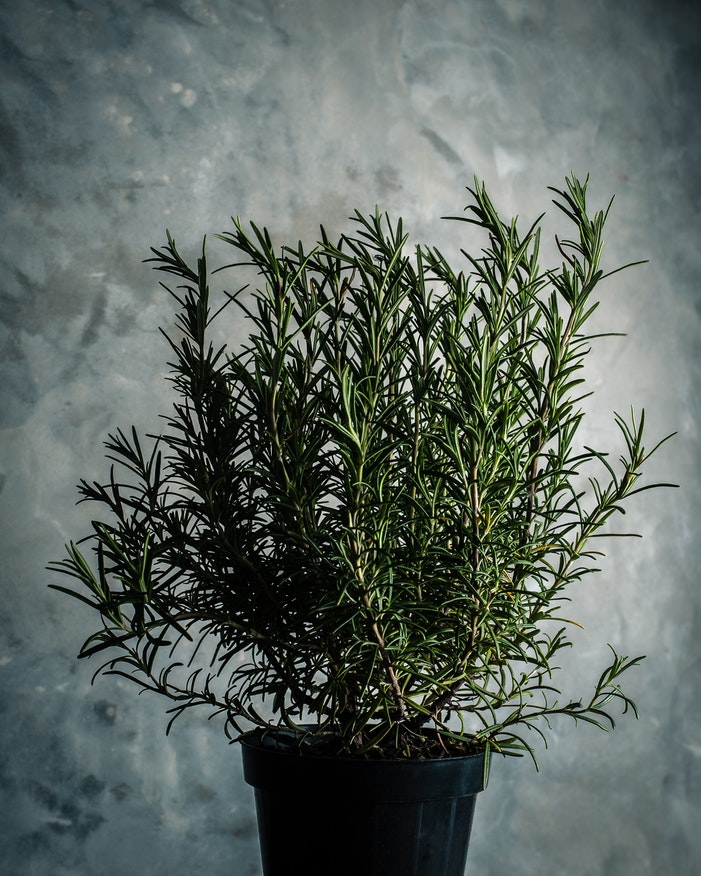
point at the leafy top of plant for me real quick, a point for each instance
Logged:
(367, 518)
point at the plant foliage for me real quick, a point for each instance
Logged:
(367, 518)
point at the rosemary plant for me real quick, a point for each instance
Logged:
(368, 517)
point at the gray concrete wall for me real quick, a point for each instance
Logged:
(119, 119)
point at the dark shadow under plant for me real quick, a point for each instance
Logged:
(367, 518)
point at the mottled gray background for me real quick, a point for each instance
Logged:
(119, 119)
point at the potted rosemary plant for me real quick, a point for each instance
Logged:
(356, 532)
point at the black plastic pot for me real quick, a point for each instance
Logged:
(319, 816)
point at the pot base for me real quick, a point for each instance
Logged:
(321, 815)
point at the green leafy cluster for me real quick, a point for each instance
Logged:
(366, 518)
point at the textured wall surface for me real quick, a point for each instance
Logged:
(120, 118)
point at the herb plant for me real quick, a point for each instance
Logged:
(368, 517)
